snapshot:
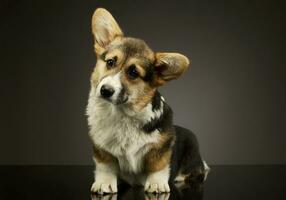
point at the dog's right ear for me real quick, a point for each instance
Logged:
(104, 28)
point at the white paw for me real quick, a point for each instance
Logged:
(156, 187)
(107, 186)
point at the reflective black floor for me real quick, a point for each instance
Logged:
(73, 182)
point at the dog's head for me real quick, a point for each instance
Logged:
(127, 71)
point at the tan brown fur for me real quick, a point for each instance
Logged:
(102, 156)
(146, 97)
(145, 92)
(156, 161)
(159, 156)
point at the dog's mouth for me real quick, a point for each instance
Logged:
(122, 97)
(122, 100)
(119, 101)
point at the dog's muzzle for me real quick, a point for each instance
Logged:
(107, 92)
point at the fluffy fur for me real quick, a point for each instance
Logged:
(131, 125)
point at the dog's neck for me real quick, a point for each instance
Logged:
(156, 115)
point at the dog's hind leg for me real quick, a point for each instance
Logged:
(191, 166)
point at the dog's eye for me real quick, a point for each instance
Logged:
(132, 72)
(110, 63)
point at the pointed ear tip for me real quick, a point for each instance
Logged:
(186, 60)
(100, 12)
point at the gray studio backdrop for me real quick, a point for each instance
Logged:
(233, 97)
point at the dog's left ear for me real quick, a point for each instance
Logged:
(170, 66)
(104, 28)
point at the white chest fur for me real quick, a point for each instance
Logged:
(118, 133)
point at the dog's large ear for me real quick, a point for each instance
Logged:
(104, 28)
(170, 66)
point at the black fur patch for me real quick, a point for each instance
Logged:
(186, 157)
(156, 101)
(164, 122)
(149, 68)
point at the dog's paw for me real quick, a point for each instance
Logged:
(156, 187)
(107, 186)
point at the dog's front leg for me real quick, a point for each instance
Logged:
(105, 173)
(158, 181)
(158, 171)
(105, 179)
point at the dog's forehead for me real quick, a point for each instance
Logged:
(136, 47)
(132, 47)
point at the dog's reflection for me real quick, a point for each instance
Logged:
(104, 197)
(178, 192)
(162, 196)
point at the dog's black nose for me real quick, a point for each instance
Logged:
(106, 91)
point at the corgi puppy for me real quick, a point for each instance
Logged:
(131, 125)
